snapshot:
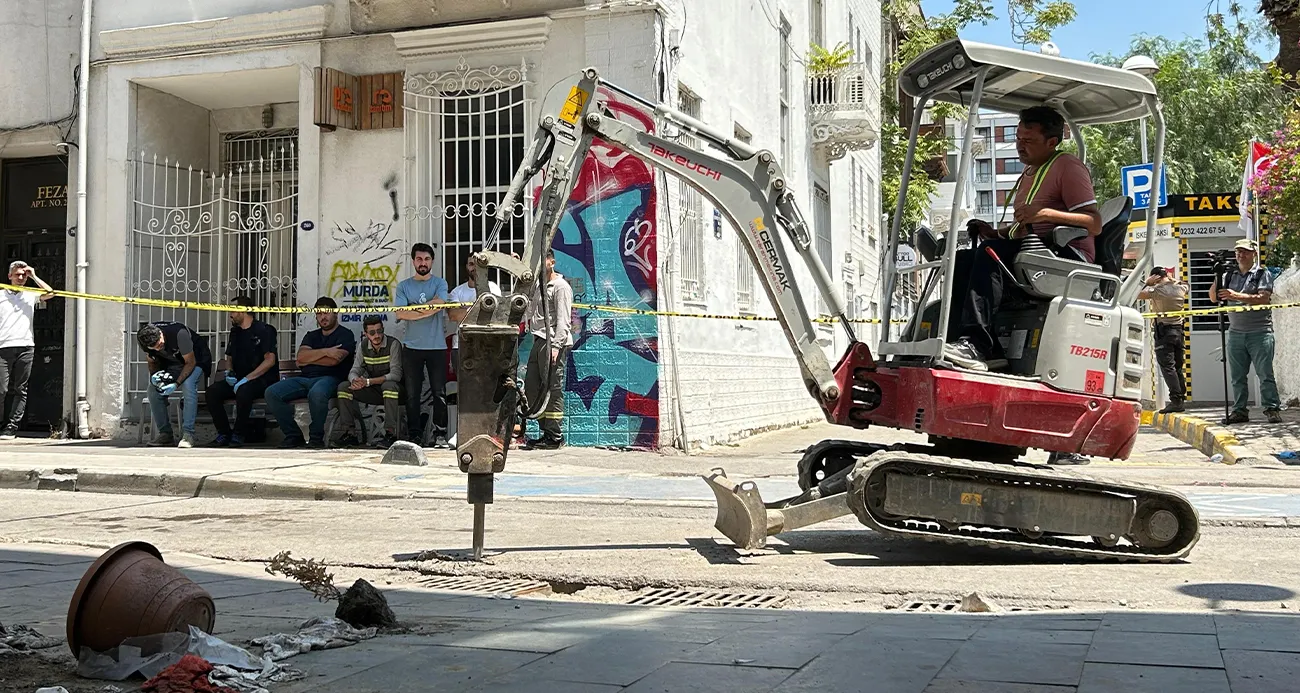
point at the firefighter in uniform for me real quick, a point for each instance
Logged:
(374, 379)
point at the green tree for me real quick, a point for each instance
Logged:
(1032, 21)
(1216, 95)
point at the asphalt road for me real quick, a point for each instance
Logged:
(610, 548)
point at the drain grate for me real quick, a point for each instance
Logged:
(674, 597)
(931, 606)
(481, 585)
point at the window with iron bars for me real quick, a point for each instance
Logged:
(465, 134)
(692, 211)
(744, 266)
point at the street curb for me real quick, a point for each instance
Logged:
(1210, 439)
(186, 485)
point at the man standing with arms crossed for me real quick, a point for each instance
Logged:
(552, 339)
(1250, 334)
(17, 345)
(1167, 296)
(424, 345)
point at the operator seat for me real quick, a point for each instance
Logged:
(1043, 273)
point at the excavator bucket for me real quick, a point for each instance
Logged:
(747, 521)
(742, 517)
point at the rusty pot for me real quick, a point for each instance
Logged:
(130, 591)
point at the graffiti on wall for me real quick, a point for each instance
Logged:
(606, 247)
(365, 268)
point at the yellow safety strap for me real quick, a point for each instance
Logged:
(1039, 176)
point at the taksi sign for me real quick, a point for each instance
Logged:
(1136, 182)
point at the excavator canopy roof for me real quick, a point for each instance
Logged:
(1087, 93)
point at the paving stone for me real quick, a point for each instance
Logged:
(1131, 678)
(1058, 637)
(1160, 649)
(612, 660)
(1253, 671)
(1201, 624)
(708, 678)
(764, 648)
(1032, 622)
(955, 686)
(325, 667)
(525, 640)
(244, 587)
(1258, 632)
(895, 665)
(432, 668)
(534, 686)
(29, 577)
(1017, 662)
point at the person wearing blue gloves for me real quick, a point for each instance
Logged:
(178, 357)
(254, 366)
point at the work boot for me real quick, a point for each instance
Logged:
(164, 439)
(347, 440)
(1067, 458)
(1274, 416)
(1237, 417)
(964, 354)
(187, 441)
(544, 443)
(1174, 406)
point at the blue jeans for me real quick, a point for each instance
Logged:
(1244, 350)
(318, 392)
(189, 405)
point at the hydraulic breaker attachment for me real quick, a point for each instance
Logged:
(748, 522)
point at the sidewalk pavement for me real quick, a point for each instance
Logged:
(1254, 443)
(464, 642)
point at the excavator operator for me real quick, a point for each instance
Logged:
(1055, 189)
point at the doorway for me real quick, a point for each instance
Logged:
(35, 197)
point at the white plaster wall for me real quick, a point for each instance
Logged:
(125, 118)
(129, 14)
(38, 49)
(737, 378)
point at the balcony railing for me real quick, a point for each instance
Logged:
(983, 177)
(843, 110)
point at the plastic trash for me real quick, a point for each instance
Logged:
(52, 689)
(1287, 455)
(314, 634)
(1216, 459)
(151, 654)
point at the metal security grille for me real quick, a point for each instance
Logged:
(676, 597)
(210, 237)
(465, 136)
(692, 210)
(1200, 279)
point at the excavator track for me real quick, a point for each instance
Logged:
(882, 487)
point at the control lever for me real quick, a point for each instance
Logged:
(1005, 270)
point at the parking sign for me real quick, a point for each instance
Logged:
(1135, 182)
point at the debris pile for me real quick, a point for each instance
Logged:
(361, 606)
(315, 634)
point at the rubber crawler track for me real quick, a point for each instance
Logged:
(879, 463)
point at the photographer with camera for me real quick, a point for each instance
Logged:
(1250, 333)
(1166, 296)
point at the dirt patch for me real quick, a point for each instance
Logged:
(29, 672)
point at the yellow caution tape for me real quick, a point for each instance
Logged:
(219, 307)
(199, 305)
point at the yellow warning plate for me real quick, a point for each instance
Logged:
(573, 105)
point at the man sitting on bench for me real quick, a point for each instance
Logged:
(253, 368)
(1055, 189)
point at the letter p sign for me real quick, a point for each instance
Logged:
(1136, 183)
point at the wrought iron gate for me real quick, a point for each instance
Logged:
(212, 236)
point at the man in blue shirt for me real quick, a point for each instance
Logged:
(424, 345)
(324, 358)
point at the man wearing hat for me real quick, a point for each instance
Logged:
(1250, 333)
(1167, 296)
(17, 344)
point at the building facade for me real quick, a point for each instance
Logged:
(285, 150)
(39, 49)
